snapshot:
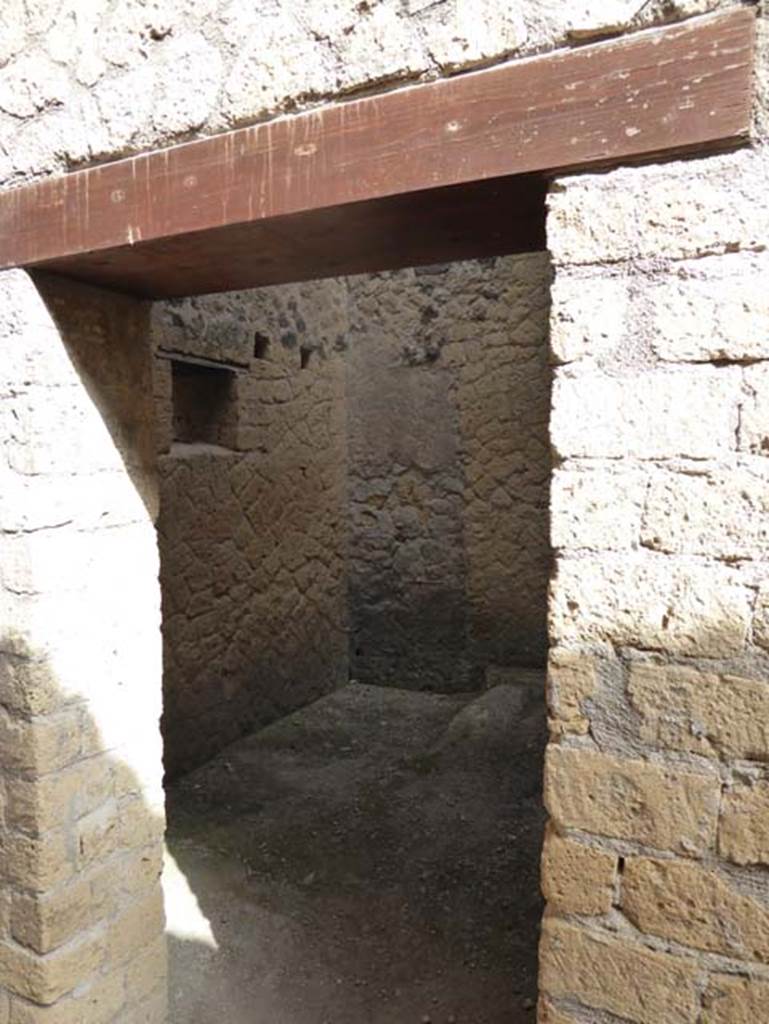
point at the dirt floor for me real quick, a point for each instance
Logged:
(371, 859)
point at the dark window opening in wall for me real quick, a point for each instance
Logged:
(261, 346)
(305, 355)
(204, 403)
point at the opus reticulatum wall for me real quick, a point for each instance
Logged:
(658, 623)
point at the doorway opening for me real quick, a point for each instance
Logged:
(354, 603)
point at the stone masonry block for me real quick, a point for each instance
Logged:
(663, 807)
(571, 680)
(684, 902)
(606, 972)
(754, 414)
(652, 603)
(723, 514)
(701, 712)
(577, 879)
(98, 1001)
(139, 925)
(97, 835)
(44, 922)
(658, 414)
(149, 970)
(712, 309)
(41, 744)
(679, 210)
(152, 1010)
(733, 999)
(598, 509)
(59, 798)
(588, 317)
(36, 863)
(46, 979)
(743, 831)
(123, 880)
(761, 618)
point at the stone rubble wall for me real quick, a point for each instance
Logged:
(657, 780)
(448, 397)
(430, 536)
(253, 537)
(81, 800)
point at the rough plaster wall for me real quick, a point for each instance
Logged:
(252, 541)
(448, 395)
(81, 917)
(86, 80)
(657, 778)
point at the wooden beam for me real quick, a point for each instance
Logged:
(389, 179)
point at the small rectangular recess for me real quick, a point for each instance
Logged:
(204, 403)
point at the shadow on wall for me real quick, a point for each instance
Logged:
(117, 377)
(449, 398)
(81, 856)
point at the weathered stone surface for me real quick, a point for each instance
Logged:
(754, 413)
(30, 84)
(731, 999)
(447, 389)
(468, 31)
(187, 84)
(149, 970)
(692, 905)
(589, 316)
(722, 514)
(97, 835)
(716, 716)
(42, 744)
(45, 922)
(655, 604)
(577, 879)
(761, 618)
(743, 830)
(44, 980)
(663, 807)
(606, 972)
(36, 864)
(712, 310)
(139, 925)
(37, 805)
(598, 509)
(571, 680)
(655, 415)
(686, 209)
(97, 1002)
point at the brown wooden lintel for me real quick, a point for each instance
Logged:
(445, 170)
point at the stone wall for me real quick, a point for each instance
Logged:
(81, 82)
(432, 538)
(656, 782)
(448, 392)
(81, 915)
(252, 536)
